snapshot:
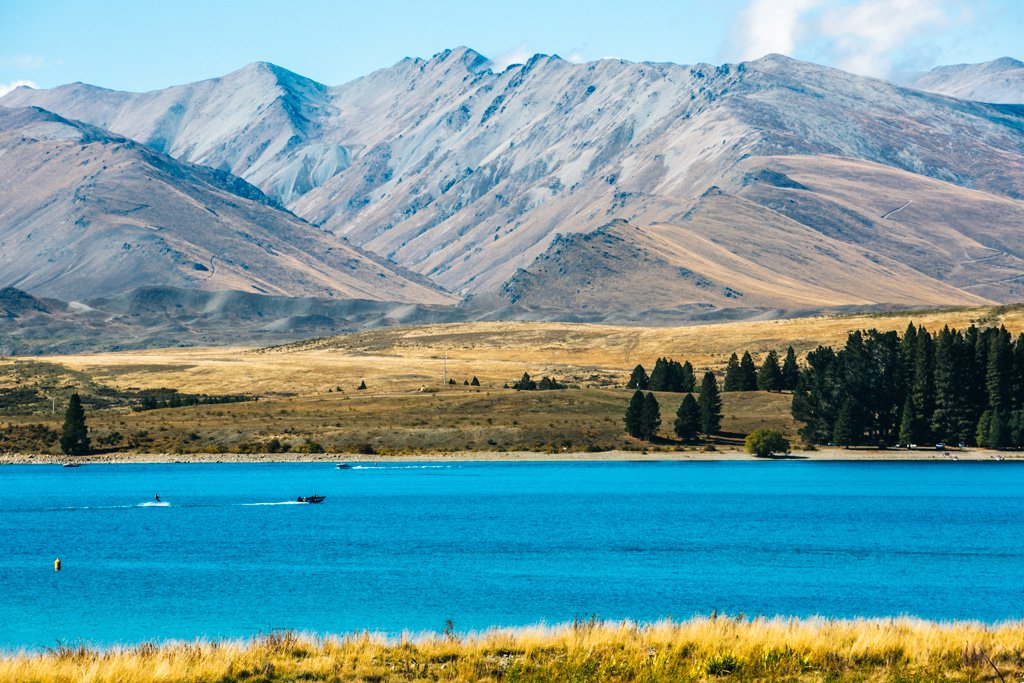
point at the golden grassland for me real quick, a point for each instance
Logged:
(407, 358)
(456, 419)
(702, 649)
(309, 398)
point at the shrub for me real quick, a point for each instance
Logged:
(766, 442)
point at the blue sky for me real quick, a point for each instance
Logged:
(143, 45)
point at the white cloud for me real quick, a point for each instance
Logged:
(6, 88)
(766, 26)
(867, 35)
(862, 36)
(517, 55)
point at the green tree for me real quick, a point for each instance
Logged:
(951, 421)
(984, 428)
(548, 383)
(733, 381)
(362, 385)
(769, 377)
(710, 405)
(74, 436)
(766, 442)
(818, 395)
(475, 382)
(790, 371)
(748, 373)
(846, 432)
(909, 431)
(999, 434)
(999, 372)
(659, 376)
(923, 387)
(688, 381)
(525, 383)
(634, 415)
(638, 379)
(687, 424)
(650, 417)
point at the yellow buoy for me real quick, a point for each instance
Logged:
(56, 565)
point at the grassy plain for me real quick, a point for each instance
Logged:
(308, 397)
(701, 649)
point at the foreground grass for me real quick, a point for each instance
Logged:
(696, 650)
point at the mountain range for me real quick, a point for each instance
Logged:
(595, 191)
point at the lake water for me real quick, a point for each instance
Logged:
(407, 546)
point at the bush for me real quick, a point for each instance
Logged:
(766, 442)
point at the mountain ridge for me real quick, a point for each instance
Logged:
(468, 175)
(88, 213)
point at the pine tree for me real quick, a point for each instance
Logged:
(362, 385)
(688, 381)
(638, 378)
(818, 395)
(710, 405)
(475, 382)
(923, 388)
(984, 429)
(769, 377)
(790, 371)
(999, 430)
(748, 373)
(688, 423)
(846, 432)
(950, 421)
(1017, 398)
(733, 380)
(908, 430)
(999, 372)
(74, 437)
(659, 379)
(675, 376)
(634, 415)
(525, 383)
(650, 417)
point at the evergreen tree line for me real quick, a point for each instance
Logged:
(702, 415)
(526, 383)
(667, 375)
(153, 399)
(919, 388)
(741, 374)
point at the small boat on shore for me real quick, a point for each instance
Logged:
(310, 499)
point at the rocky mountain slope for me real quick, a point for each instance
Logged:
(87, 213)
(1001, 81)
(783, 184)
(160, 317)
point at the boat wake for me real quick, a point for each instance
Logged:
(403, 467)
(283, 502)
(152, 504)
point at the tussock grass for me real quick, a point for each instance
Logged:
(701, 649)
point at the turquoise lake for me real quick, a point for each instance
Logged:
(408, 545)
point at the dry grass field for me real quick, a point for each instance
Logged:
(701, 649)
(308, 396)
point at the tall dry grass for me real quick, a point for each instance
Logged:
(700, 649)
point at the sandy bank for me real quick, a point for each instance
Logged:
(825, 454)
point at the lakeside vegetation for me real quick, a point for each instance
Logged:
(310, 400)
(701, 649)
